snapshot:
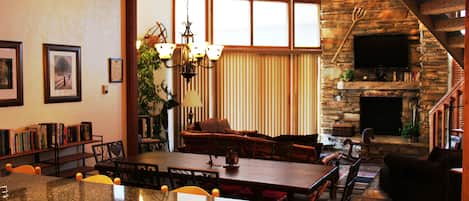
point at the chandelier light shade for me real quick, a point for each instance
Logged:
(214, 52)
(165, 50)
(193, 55)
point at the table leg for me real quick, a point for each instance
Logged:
(334, 179)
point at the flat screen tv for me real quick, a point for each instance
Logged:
(381, 51)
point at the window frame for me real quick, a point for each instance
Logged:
(291, 28)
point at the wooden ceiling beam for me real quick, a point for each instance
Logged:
(456, 53)
(448, 25)
(436, 7)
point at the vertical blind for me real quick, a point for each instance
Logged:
(274, 94)
(200, 84)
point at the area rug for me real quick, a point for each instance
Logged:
(366, 174)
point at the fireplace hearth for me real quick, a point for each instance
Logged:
(383, 114)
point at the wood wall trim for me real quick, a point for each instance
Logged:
(465, 185)
(131, 75)
(259, 49)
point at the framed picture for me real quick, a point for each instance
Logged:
(115, 70)
(62, 73)
(11, 73)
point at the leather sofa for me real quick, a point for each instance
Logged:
(218, 137)
(410, 179)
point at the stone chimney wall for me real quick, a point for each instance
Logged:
(427, 58)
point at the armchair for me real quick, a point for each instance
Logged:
(406, 178)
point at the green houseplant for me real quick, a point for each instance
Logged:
(347, 75)
(411, 131)
(150, 101)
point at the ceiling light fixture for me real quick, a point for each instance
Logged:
(192, 55)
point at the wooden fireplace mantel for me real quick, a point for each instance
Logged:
(371, 85)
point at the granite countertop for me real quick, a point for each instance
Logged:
(31, 188)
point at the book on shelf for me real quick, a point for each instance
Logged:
(42, 136)
(86, 130)
(79, 132)
(4, 142)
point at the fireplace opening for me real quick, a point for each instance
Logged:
(383, 114)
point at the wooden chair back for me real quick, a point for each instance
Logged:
(116, 149)
(24, 169)
(350, 182)
(108, 151)
(138, 174)
(101, 152)
(205, 179)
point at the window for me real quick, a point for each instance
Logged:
(252, 23)
(270, 22)
(196, 17)
(231, 22)
(306, 25)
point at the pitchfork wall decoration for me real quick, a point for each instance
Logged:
(357, 15)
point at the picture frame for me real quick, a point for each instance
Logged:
(11, 73)
(62, 73)
(116, 74)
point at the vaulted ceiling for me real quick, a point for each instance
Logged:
(443, 19)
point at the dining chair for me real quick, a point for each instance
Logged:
(101, 152)
(138, 174)
(317, 193)
(205, 179)
(351, 179)
(100, 179)
(116, 149)
(106, 153)
(24, 169)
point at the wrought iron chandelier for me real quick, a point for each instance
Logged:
(192, 55)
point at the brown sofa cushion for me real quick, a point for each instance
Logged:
(224, 126)
(213, 125)
(209, 125)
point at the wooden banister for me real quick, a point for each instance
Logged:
(445, 115)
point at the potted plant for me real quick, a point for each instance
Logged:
(347, 75)
(151, 102)
(410, 131)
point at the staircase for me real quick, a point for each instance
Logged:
(446, 118)
(444, 20)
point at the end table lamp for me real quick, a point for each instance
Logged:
(191, 100)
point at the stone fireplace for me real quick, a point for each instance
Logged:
(383, 114)
(372, 103)
(426, 56)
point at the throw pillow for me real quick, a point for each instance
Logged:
(223, 126)
(194, 127)
(209, 125)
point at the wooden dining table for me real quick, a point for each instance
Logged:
(39, 188)
(290, 177)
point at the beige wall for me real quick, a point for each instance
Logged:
(148, 13)
(95, 25)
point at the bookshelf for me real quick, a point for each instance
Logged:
(80, 156)
(53, 139)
